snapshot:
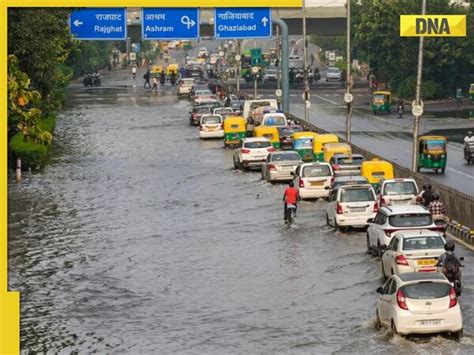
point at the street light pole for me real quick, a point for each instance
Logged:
(277, 54)
(416, 124)
(348, 75)
(239, 66)
(305, 66)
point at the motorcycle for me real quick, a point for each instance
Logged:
(400, 111)
(452, 271)
(442, 225)
(92, 79)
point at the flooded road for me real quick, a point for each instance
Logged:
(140, 238)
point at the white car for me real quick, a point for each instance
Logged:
(333, 74)
(396, 218)
(274, 119)
(172, 45)
(224, 111)
(397, 192)
(251, 153)
(351, 206)
(280, 166)
(412, 251)
(184, 86)
(211, 126)
(313, 180)
(271, 75)
(419, 303)
(213, 58)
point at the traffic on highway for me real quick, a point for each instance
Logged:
(204, 196)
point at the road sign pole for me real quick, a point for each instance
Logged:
(277, 54)
(239, 66)
(349, 74)
(285, 83)
(305, 64)
(416, 124)
(255, 87)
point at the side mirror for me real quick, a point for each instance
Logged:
(327, 187)
(379, 290)
(292, 173)
(370, 220)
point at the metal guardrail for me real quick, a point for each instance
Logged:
(459, 206)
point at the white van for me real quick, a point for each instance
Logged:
(251, 105)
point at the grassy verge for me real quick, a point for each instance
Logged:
(33, 155)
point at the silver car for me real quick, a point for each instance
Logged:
(280, 166)
(333, 74)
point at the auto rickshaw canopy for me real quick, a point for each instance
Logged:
(321, 139)
(268, 132)
(432, 144)
(234, 124)
(374, 170)
(382, 96)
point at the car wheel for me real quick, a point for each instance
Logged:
(442, 171)
(236, 166)
(379, 250)
(458, 335)
(394, 328)
(369, 248)
(384, 276)
(336, 227)
(378, 323)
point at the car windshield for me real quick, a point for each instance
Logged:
(288, 131)
(286, 157)
(426, 290)
(274, 121)
(211, 120)
(379, 97)
(202, 109)
(411, 220)
(203, 93)
(271, 71)
(333, 70)
(357, 195)
(357, 181)
(435, 145)
(316, 171)
(303, 143)
(350, 161)
(399, 188)
(224, 110)
(257, 144)
(424, 242)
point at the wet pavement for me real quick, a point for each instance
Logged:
(139, 238)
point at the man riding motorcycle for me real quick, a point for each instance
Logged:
(425, 196)
(400, 108)
(290, 197)
(451, 266)
(469, 138)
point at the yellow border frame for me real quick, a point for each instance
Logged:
(10, 301)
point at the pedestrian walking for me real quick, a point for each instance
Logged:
(147, 76)
(154, 87)
(312, 58)
(459, 96)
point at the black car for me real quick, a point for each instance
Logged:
(200, 110)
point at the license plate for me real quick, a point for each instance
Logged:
(429, 322)
(429, 262)
(317, 183)
(358, 209)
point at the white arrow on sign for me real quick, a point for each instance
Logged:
(185, 20)
(264, 21)
(77, 23)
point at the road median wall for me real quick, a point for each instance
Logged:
(459, 205)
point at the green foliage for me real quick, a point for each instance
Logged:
(33, 155)
(327, 43)
(88, 56)
(448, 62)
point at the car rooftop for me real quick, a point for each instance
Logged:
(350, 178)
(421, 276)
(254, 139)
(399, 209)
(340, 155)
(416, 233)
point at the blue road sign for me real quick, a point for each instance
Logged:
(166, 23)
(98, 24)
(242, 23)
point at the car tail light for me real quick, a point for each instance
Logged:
(453, 301)
(301, 183)
(376, 206)
(336, 167)
(271, 149)
(401, 260)
(427, 270)
(272, 167)
(244, 151)
(401, 300)
(382, 201)
(339, 208)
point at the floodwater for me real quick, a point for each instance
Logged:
(139, 238)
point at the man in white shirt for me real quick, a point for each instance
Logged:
(469, 138)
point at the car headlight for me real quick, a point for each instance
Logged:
(429, 156)
(443, 156)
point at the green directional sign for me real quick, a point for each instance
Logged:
(256, 54)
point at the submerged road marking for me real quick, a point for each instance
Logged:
(460, 172)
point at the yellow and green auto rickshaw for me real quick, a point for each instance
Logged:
(382, 102)
(432, 153)
(156, 70)
(375, 170)
(318, 145)
(471, 93)
(172, 68)
(268, 132)
(335, 148)
(234, 130)
(303, 144)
